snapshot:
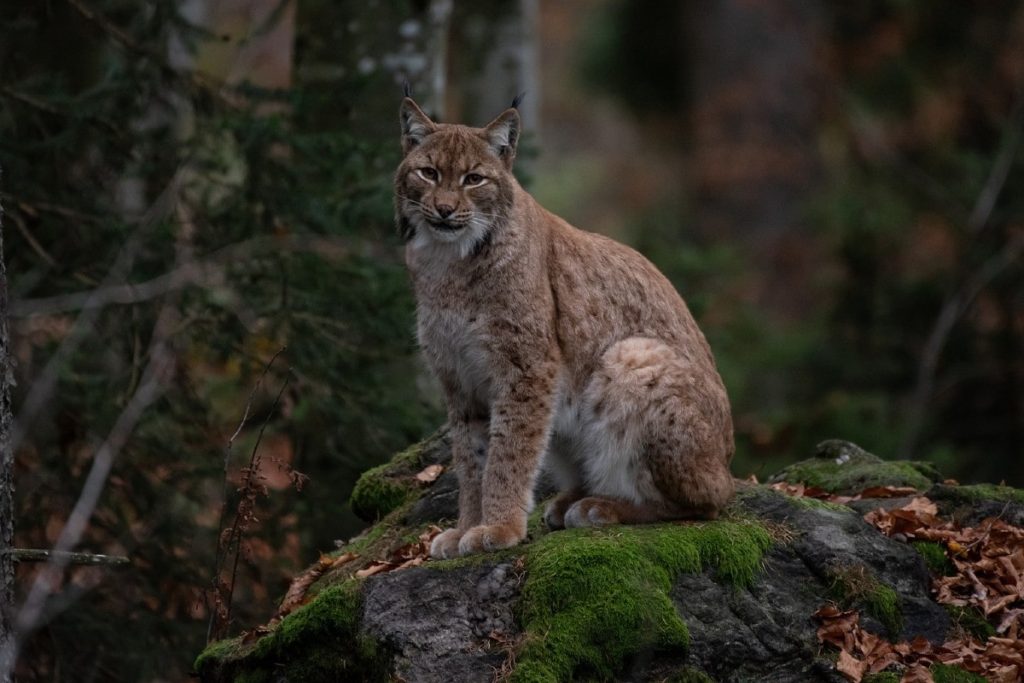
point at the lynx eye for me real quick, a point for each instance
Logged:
(428, 173)
(471, 179)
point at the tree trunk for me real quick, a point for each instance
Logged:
(6, 480)
(491, 58)
(756, 78)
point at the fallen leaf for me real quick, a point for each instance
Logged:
(851, 667)
(429, 474)
(296, 594)
(375, 568)
(917, 674)
(343, 559)
(887, 492)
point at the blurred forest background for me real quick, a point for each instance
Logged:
(189, 186)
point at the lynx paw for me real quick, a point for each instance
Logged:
(554, 513)
(484, 539)
(446, 544)
(591, 512)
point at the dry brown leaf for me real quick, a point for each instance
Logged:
(922, 505)
(851, 667)
(989, 559)
(296, 594)
(342, 559)
(375, 568)
(887, 492)
(917, 674)
(429, 474)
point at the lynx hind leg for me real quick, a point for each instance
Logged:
(690, 442)
(660, 439)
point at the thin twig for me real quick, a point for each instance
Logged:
(247, 486)
(33, 207)
(32, 241)
(193, 78)
(48, 108)
(222, 549)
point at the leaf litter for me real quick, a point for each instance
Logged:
(989, 577)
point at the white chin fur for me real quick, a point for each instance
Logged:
(464, 240)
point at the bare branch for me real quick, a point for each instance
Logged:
(44, 555)
(195, 273)
(46, 107)
(195, 79)
(32, 241)
(1000, 170)
(951, 312)
(43, 386)
(158, 371)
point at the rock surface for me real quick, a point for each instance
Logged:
(463, 620)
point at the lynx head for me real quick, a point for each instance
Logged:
(455, 184)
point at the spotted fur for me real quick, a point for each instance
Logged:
(556, 348)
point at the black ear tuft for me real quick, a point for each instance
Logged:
(518, 99)
(406, 88)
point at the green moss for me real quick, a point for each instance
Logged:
(857, 585)
(595, 598)
(367, 539)
(689, 675)
(981, 492)
(856, 470)
(319, 641)
(884, 604)
(971, 620)
(942, 673)
(386, 487)
(215, 653)
(935, 557)
(883, 677)
(816, 504)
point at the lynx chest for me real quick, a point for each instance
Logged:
(458, 347)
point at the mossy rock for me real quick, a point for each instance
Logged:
(970, 494)
(593, 599)
(970, 504)
(693, 601)
(935, 557)
(845, 468)
(858, 586)
(320, 641)
(387, 487)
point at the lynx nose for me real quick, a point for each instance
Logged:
(444, 210)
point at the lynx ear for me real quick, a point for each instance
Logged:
(415, 124)
(502, 134)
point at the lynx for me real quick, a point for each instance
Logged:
(557, 349)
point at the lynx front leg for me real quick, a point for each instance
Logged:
(520, 426)
(469, 451)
